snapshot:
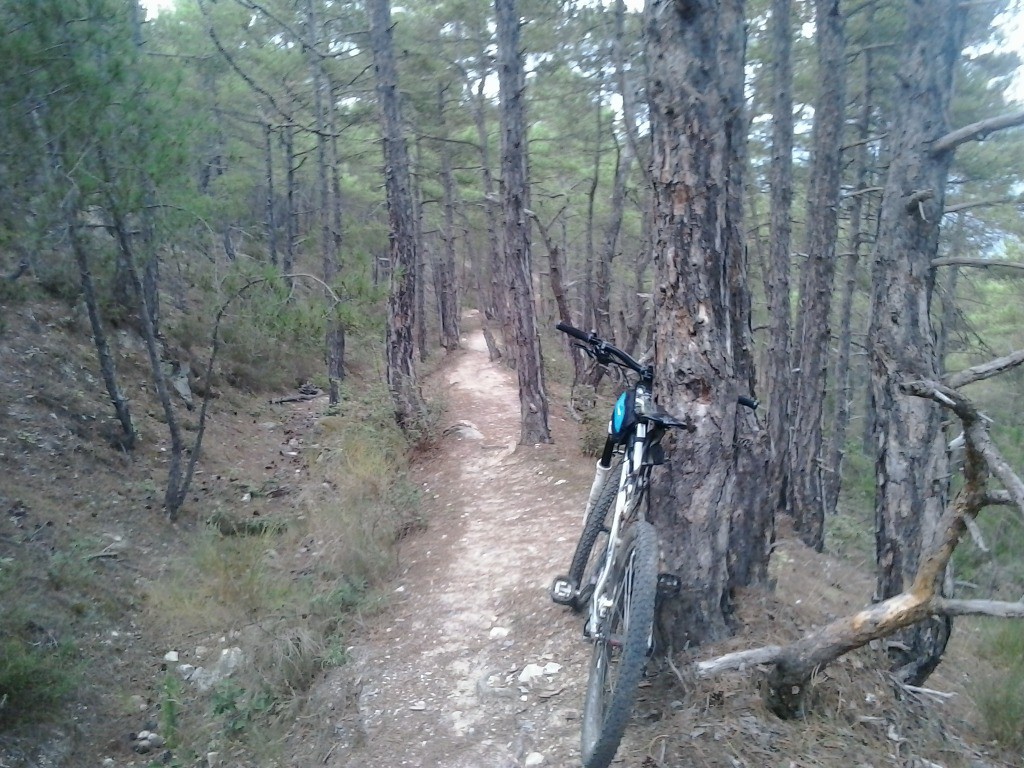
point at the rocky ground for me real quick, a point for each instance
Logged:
(472, 666)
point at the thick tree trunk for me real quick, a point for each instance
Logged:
(813, 331)
(710, 505)
(911, 463)
(401, 374)
(511, 86)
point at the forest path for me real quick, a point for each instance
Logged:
(471, 665)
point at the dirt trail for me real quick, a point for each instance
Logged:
(443, 677)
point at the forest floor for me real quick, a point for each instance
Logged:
(472, 666)
(467, 664)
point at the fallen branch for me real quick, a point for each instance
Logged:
(999, 608)
(294, 399)
(794, 665)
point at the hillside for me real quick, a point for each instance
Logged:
(457, 658)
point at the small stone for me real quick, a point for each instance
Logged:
(498, 633)
(142, 747)
(143, 735)
(156, 740)
(533, 759)
(419, 706)
(137, 702)
(171, 656)
(530, 673)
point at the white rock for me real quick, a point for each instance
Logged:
(419, 706)
(499, 632)
(530, 673)
(171, 656)
(551, 668)
(534, 758)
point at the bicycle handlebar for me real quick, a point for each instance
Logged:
(603, 348)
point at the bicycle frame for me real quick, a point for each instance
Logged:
(620, 588)
(632, 482)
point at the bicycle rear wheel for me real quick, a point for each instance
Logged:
(621, 646)
(590, 548)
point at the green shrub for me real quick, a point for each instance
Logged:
(1000, 695)
(35, 674)
(38, 665)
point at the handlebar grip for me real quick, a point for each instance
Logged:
(574, 332)
(749, 402)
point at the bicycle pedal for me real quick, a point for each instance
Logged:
(669, 585)
(562, 591)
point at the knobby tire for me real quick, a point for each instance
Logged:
(587, 557)
(620, 654)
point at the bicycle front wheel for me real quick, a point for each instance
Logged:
(590, 548)
(621, 646)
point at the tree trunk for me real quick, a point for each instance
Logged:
(589, 289)
(710, 506)
(779, 376)
(533, 402)
(843, 391)
(812, 332)
(401, 373)
(495, 306)
(290, 214)
(910, 460)
(334, 340)
(269, 223)
(448, 296)
(555, 271)
(108, 368)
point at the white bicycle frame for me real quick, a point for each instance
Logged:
(600, 603)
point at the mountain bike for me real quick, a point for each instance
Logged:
(613, 577)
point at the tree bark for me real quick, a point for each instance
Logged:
(777, 282)
(270, 224)
(519, 276)
(401, 373)
(709, 505)
(108, 368)
(495, 306)
(910, 461)
(555, 271)
(813, 331)
(844, 324)
(334, 340)
(447, 286)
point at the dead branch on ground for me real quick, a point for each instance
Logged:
(793, 665)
